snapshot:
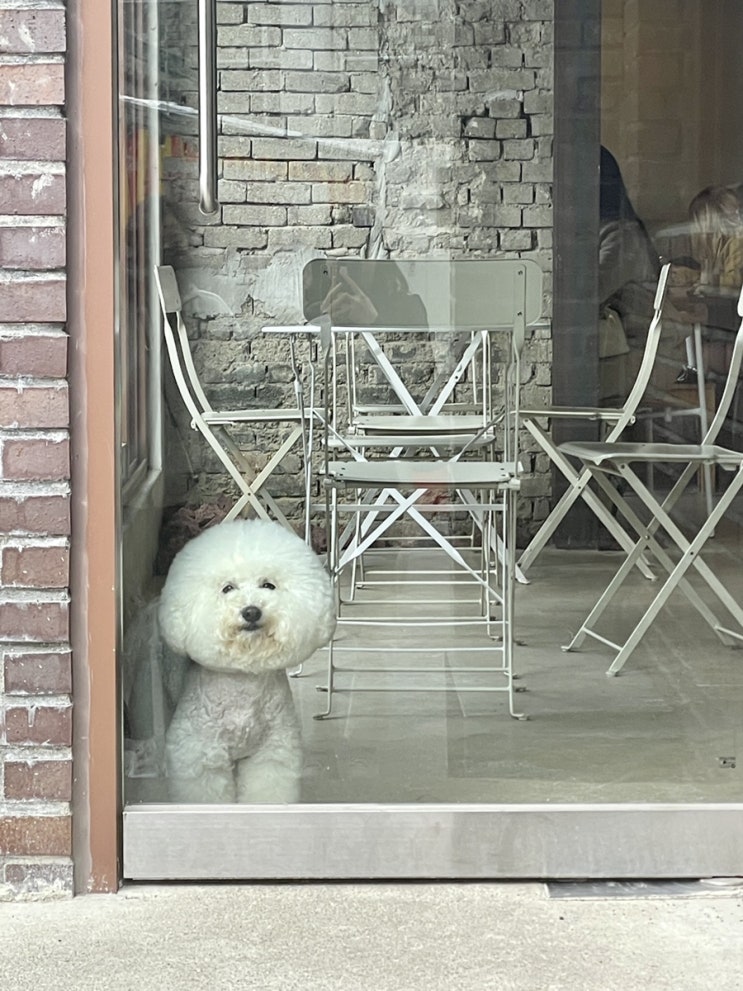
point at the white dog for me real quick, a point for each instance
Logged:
(244, 601)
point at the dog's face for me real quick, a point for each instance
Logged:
(247, 596)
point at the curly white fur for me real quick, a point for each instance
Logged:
(244, 601)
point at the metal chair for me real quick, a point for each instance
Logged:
(621, 459)
(420, 473)
(614, 422)
(218, 426)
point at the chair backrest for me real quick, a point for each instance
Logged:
(186, 378)
(170, 301)
(458, 303)
(461, 294)
(732, 382)
(650, 351)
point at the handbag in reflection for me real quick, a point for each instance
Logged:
(243, 601)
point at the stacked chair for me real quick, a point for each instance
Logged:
(396, 461)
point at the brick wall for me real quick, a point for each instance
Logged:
(35, 668)
(401, 128)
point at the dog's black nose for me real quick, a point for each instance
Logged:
(251, 615)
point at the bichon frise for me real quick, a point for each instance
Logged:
(244, 601)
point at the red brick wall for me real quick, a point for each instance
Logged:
(35, 665)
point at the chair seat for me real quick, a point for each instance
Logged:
(599, 414)
(623, 453)
(424, 474)
(367, 442)
(438, 424)
(255, 416)
(387, 408)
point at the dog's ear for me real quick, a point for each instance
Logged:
(173, 625)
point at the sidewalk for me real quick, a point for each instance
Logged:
(385, 937)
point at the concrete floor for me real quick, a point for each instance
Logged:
(663, 730)
(667, 729)
(352, 937)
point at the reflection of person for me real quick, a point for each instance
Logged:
(626, 254)
(628, 271)
(709, 297)
(361, 293)
(717, 236)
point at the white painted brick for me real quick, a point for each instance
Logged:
(316, 126)
(320, 171)
(284, 148)
(346, 15)
(282, 103)
(255, 170)
(247, 36)
(346, 103)
(339, 192)
(255, 216)
(280, 239)
(280, 58)
(280, 14)
(251, 80)
(316, 82)
(231, 192)
(315, 39)
(236, 237)
(278, 192)
(309, 216)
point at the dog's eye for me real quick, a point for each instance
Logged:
(268, 585)
(229, 587)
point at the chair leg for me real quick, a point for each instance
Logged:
(579, 488)
(508, 591)
(676, 572)
(688, 558)
(331, 539)
(646, 542)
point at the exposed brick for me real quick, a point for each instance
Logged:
(34, 355)
(39, 725)
(32, 194)
(34, 248)
(32, 31)
(36, 84)
(38, 674)
(35, 567)
(44, 779)
(26, 459)
(34, 408)
(35, 514)
(33, 302)
(43, 622)
(40, 139)
(34, 836)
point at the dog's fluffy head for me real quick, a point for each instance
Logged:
(247, 596)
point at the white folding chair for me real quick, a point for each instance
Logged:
(216, 426)
(618, 459)
(377, 492)
(614, 421)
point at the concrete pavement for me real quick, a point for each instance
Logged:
(385, 937)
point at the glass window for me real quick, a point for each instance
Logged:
(379, 168)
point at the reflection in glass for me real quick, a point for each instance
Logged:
(363, 135)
